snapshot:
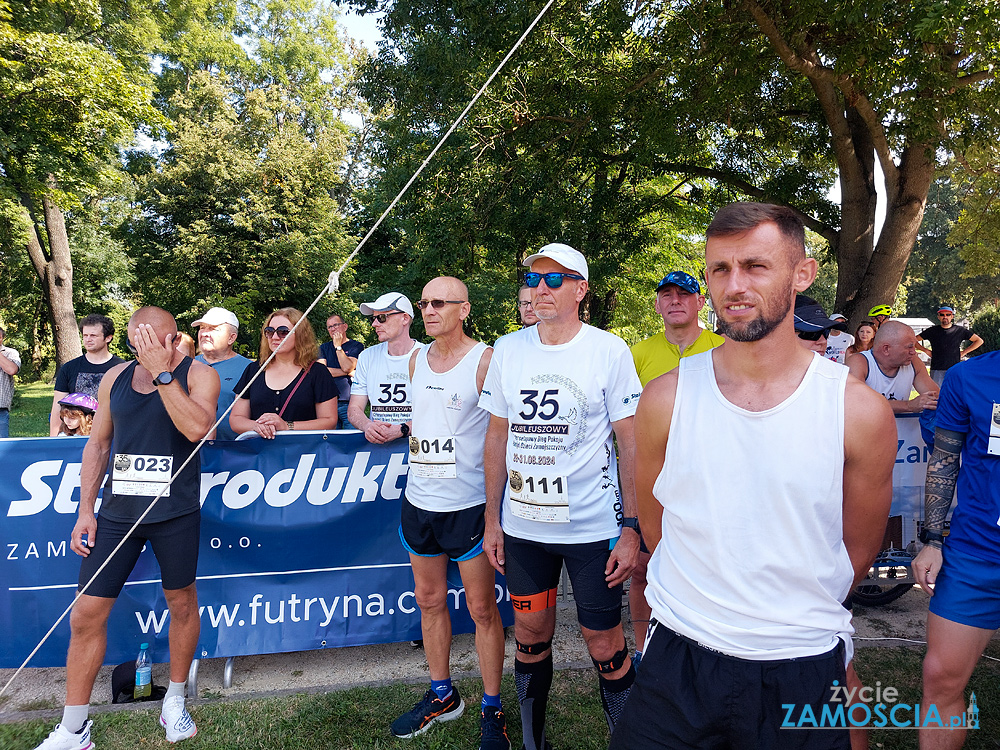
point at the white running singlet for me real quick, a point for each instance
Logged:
(752, 560)
(385, 380)
(896, 388)
(559, 402)
(449, 432)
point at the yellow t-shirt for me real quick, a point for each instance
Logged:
(655, 356)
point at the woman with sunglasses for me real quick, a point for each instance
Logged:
(290, 394)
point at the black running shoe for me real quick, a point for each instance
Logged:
(430, 709)
(493, 730)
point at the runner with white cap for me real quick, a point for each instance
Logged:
(382, 377)
(556, 392)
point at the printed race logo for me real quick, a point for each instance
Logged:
(874, 707)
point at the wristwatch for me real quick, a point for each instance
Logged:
(291, 425)
(404, 429)
(164, 378)
(926, 535)
(631, 523)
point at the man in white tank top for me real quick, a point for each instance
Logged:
(891, 367)
(764, 478)
(381, 378)
(442, 512)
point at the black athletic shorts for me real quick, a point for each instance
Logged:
(533, 571)
(456, 533)
(688, 696)
(175, 545)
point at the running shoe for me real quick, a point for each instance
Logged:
(176, 720)
(429, 710)
(61, 738)
(493, 730)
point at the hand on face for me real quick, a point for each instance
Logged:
(154, 355)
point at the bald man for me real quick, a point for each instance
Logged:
(891, 367)
(442, 515)
(152, 413)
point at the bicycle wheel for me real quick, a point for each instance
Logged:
(880, 585)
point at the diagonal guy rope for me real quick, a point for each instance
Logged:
(332, 286)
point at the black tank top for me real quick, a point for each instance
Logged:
(145, 452)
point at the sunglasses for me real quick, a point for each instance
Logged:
(814, 335)
(382, 317)
(437, 304)
(552, 280)
(280, 331)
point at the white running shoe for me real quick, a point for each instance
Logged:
(61, 738)
(176, 720)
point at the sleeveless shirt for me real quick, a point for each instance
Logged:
(449, 433)
(896, 388)
(752, 560)
(147, 449)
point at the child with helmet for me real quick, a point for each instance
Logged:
(76, 414)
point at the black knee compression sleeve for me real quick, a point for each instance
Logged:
(614, 693)
(533, 682)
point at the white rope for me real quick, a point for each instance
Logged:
(332, 285)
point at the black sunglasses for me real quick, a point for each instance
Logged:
(280, 331)
(553, 280)
(382, 317)
(437, 304)
(814, 335)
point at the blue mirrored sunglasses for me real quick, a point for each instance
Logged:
(552, 280)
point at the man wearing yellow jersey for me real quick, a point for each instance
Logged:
(678, 300)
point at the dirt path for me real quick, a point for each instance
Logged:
(41, 690)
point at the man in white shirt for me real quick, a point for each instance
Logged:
(381, 376)
(752, 555)
(891, 367)
(555, 392)
(10, 365)
(839, 340)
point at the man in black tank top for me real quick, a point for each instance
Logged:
(152, 414)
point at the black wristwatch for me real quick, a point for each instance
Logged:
(404, 429)
(926, 535)
(631, 523)
(164, 378)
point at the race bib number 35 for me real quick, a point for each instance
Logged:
(142, 475)
(539, 498)
(433, 457)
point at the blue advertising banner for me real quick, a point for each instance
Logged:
(299, 550)
(912, 455)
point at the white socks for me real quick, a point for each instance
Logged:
(74, 717)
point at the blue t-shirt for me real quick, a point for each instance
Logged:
(230, 371)
(328, 353)
(969, 395)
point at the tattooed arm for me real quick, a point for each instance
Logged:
(942, 474)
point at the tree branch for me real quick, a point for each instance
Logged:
(733, 180)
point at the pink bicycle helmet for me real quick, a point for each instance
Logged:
(81, 401)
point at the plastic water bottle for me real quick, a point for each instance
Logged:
(143, 674)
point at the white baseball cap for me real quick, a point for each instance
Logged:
(217, 316)
(838, 315)
(564, 255)
(386, 303)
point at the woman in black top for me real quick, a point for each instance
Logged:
(291, 394)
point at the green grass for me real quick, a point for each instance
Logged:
(30, 415)
(360, 718)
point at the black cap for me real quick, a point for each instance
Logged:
(809, 316)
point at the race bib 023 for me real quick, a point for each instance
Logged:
(141, 474)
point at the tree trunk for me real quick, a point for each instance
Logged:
(55, 271)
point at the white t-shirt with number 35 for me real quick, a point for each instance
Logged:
(559, 402)
(385, 380)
